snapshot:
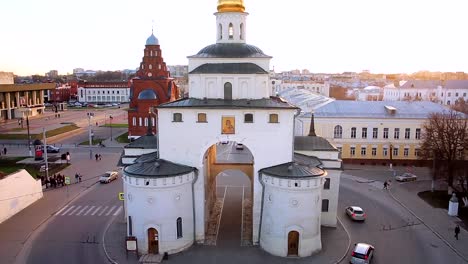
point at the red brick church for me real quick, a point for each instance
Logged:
(152, 86)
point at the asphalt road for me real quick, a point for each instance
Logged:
(397, 236)
(74, 234)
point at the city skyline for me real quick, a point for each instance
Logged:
(327, 36)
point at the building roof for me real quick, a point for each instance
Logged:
(147, 94)
(144, 142)
(312, 143)
(26, 87)
(230, 50)
(420, 84)
(157, 168)
(264, 103)
(152, 40)
(377, 109)
(306, 100)
(229, 68)
(294, 170)
(456, 84)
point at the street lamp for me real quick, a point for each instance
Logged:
(110, 124)
(90, 115)
(29, 135)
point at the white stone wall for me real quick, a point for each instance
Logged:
(329, 218)
(187, 142)
(157, 205)
(17, 191)
(298, 202)
(246, 86)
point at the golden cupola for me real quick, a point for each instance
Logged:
(231, 6)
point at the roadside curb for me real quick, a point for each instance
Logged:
(430, 228)
(349, 241)
(109, 223)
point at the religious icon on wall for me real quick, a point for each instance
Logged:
(228, 125)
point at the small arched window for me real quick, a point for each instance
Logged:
(134, 121)
(231, 31)
(150, 67)
(177, 117)
(202, 118)
(153, 121)
(220, 31)
(228, 91)
(241, 33)
(273, 118)
(179, 227)
(146, 121)
(248, 118)
(338, 132)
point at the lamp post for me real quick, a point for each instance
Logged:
(29, 135)
(45, 153)
(110, 124)
(90, 115)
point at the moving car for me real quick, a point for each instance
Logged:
(356, 213)
(239, 146)
(362, 253)
(406, 177)
(51, 149)
(108, 176)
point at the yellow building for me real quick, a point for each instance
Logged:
(372, 132)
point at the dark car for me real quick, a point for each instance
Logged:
(51, 149)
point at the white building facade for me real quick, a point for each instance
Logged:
(104, 93)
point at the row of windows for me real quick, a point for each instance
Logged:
(450, 94)
(395, 151)
(202, 118)
(106, 98)
(338, 133)
(140, 121)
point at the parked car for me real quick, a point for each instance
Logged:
(239, 146)
(356, 213)
(108, 176)
(362, 254)
(51, 149)
(406, 177)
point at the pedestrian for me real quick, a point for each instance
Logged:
(76, 177)
(68, 157)
(100, 157)
(96, 123)
(96, 156)
(385, 185)
(457, 231)
(4, 150)
(79, 177)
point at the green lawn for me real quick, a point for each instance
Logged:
(115, 125)
(123, 138)
(95, 141)
(49, 133)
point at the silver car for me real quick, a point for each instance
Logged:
(108, 176)
(362, 254)
(406, 177)
(356, 213)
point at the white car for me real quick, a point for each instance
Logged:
(406, 177)
(356, 213)
(108, 176)
(362, 254)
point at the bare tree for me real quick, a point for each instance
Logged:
(445, 138)
(461, 105)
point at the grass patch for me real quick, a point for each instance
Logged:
(49, 133)
(115, 125)
(440, 199)
(123, 138)
(95, 141)
(16, 129)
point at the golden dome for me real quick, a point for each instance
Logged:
(231, 6)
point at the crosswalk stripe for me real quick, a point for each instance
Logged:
(109, 212)
(76, 209)
(103, 210)
(61, 210)
(82, 210)
(118, 210)
(70, 208)
(95, 211)
(89, 210)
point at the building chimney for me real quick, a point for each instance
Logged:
(312, 127)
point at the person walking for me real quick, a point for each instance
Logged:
(100, 157)
(96, 156)
(68, 157)
(457, 231)
(385, 185)
(4, 150)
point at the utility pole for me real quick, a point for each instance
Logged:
(29, 135)
(90, 115)
(45, 153)
(110, 124)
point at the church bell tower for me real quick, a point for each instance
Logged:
(231, 21)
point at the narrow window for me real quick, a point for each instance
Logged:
(406, 152)
(338, 132)
(418, 133)
(364, 132)
(385, 132)
(146, 121)
(241, 32)
(395, 151)
(220, 31)
(325, 203)
(363, 151)
(326, 186)
(273, 118)
(407, 133)
(416, 152)
(352, 151)
(374, 152)
(202, 118)
(396, 134)
(353, 132)
(134, 121)
(179, 227)
(248, 118)
(375, 132)
(385, 152)
(140, 121)
(177, 117)
(231, 31)
(228, 91)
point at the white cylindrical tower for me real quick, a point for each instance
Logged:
(231, 21)
(159, 205)
(291, 212)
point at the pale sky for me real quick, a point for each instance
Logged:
(319, 35)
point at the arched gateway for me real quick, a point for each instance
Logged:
(174, 189)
